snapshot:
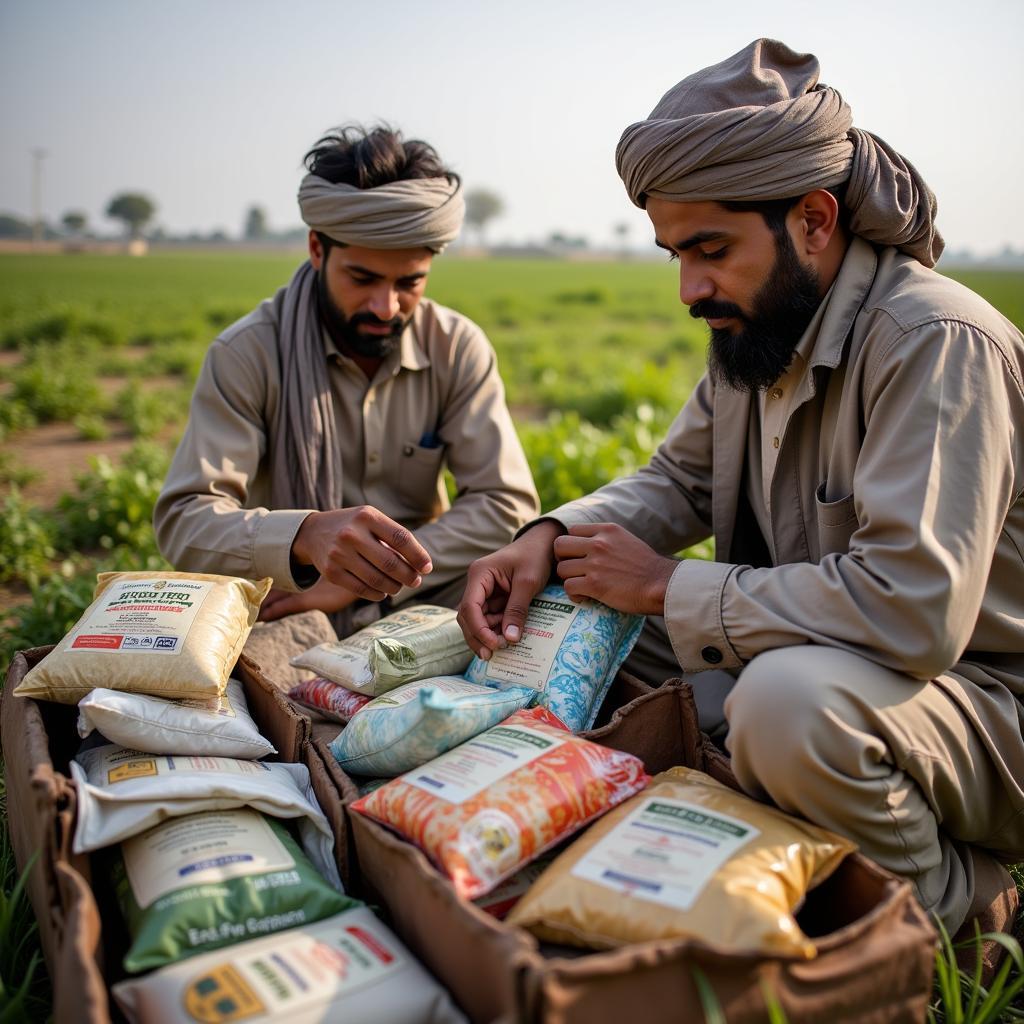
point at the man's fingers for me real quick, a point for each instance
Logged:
(282, 605)
(571, 546)
(474, 615)
(523, 590)
(570, 568)
(361, 578)
(400, 540)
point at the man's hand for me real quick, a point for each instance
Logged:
(609, 564)
(362, 551)
(500, 587)
(323, 595)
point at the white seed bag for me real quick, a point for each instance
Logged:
(221, 727)
(347, 968)
(172, 634)
(123, 792)
(400, 648)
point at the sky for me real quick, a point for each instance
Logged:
(208, 106)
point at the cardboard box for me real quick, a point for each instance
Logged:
(875, 943)
(39, 739)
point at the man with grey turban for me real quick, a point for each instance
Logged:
(322, 422)
(856, 449)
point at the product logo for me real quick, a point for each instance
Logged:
(221, 995)
(159, 584)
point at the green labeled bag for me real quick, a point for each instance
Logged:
(208, 880)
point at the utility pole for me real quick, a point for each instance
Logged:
(38, 156)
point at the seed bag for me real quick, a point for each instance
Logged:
(569, 654)
(207, 880)
(331, 700)
(217, 728)
(172, 634)
(498, 801)
(412, 644)
(688, 858)
(123, 792)
(348, 968)
(415, 723)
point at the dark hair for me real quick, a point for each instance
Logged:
(774, 211)
(368, 157)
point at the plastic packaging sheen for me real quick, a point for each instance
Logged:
(348, 968)
(207, 880)
(417, 722)
(687, 859)
(124, 792)
(569, 654)
(221, 727)
(172, 634)
(490, 806)
(331, 700)
(407, 645)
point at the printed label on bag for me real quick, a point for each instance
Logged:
(298, 972)
(665, 851)
(142, 615)
(200, 849)
(450, 686)
(529, 662)
(465, 771)
(122, 765)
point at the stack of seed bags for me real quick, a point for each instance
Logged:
(393, 683)
(192, 827)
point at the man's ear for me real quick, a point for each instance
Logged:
(816, 220)
(316, 250)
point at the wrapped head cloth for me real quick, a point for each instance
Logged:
(400, 215)
(760, 126)
(306, 470)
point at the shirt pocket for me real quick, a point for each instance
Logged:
(419, 474)
(837, 521)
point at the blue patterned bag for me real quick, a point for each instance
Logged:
(417, 722)
(569, 654)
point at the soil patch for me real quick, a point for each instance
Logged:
(56, 450)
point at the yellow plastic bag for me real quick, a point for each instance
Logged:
(172, 634)
(686, 858)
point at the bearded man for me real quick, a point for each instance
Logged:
(322, 422)
(856, 449)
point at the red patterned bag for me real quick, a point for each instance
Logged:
(329, 699)
(495, 803)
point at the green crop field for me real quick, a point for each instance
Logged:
(98, 354)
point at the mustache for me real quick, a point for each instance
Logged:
(708, 309)
(395, 324)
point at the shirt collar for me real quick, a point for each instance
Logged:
(823, 342)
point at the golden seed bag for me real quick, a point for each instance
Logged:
(687, 858)
(172, 634)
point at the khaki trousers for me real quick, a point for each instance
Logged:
(916, 773)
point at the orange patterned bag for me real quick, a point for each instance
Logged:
(498, 801)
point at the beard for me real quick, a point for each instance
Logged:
(756, 355)
(345, 330)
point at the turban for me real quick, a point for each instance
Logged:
(760, 126)
(400, 215)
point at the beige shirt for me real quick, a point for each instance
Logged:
(893, 517)
(436, 402)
